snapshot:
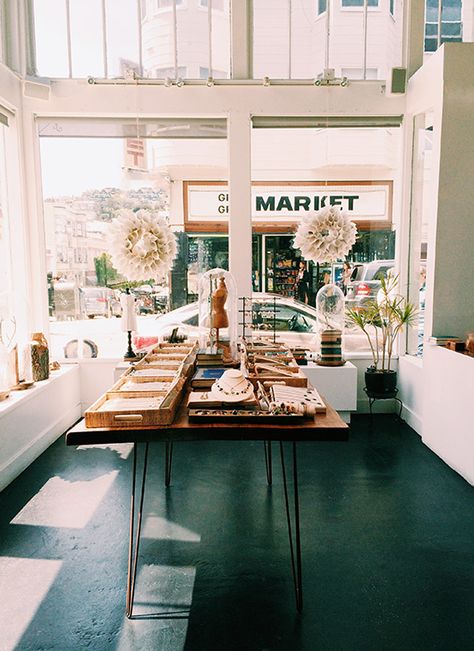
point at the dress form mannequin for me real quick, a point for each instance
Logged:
(219, 318)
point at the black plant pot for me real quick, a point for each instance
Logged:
(381, 383)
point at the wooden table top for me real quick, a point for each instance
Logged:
(325, 427)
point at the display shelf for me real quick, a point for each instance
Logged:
(31, 420)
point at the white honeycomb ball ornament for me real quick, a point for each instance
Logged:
(325, 236)
(142, 245)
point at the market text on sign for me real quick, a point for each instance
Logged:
(304, 202)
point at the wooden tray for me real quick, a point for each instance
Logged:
(135, 386)
(293, 380)
(139, 412)
(154, 373)
(175, 348)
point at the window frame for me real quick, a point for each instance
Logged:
(349, 8)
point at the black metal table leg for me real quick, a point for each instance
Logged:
(268, 460)
(134, 549)
(168, 461)
(295, 546)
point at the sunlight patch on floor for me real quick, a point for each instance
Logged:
(24, 583)
(163, 529)
(123, 449)
(165, 594)
(61, 503)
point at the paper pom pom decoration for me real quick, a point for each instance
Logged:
(326, 235)
(142, 245)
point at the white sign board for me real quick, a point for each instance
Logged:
(210, 203)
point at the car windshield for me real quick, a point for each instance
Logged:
(281, 317)
(378, 272)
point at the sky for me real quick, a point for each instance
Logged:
(70, 166)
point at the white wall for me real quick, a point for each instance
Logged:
(448, 421)
(411, 387)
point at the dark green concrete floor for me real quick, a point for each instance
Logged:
(388, 549)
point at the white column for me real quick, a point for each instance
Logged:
(240, 201)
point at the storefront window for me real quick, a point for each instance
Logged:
(421, 215)
(279, 206)
(106, 175)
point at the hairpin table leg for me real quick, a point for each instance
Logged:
(268, 460)
(168, 461)
(295, 546)
(134, 549)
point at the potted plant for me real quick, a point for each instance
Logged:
(382, 320)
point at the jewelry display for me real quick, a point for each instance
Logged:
(232, 386)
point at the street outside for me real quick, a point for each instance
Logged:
(111, 341)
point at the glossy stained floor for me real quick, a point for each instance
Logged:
(388, 549)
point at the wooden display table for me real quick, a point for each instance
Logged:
(325, 427)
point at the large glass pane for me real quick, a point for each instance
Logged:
(271, 41)
(104, 176)
(220, 39)
(302, 39)
(87, 41)
(295, 172)
(122, 36)
(51, 38)
(5, 263)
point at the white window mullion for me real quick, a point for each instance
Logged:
(209, 25)
(290, 8)
(364, 35)
(104, 39)
(69, 46)
(328, 34)
(140, 39)
(175, 40)
(440, 21)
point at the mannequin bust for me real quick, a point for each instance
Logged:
(219, 318)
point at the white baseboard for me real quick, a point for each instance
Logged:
(27, 454)
(466, 474)
(413, 419)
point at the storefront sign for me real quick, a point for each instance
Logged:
(366, 202)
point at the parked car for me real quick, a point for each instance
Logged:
(365, 282)
(99, 301)
(294, 322)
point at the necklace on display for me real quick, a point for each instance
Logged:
(233, 392)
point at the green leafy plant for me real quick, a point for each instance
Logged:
(382, 320)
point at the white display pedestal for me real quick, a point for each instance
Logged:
(338, 384)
